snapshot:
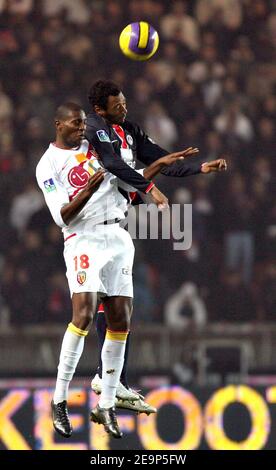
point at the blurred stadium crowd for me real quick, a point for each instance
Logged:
(211, 85)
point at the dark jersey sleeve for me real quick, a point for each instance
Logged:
(148, 152)
(98, 134)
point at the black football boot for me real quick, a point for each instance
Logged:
(60, 418)
(107, 417)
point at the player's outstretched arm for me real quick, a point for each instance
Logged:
(168, 160)
(70, 210)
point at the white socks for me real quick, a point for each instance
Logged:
(113, 352)
(71, 351)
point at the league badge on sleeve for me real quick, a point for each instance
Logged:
(49, 185)
(103, 136)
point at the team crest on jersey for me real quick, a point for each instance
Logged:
(49, 185)
(129, 139)
(81, 277)
(103, 136)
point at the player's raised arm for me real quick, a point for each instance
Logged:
(157, 166)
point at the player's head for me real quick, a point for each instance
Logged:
(70, 124)
(108, 101)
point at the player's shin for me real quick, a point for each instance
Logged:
(71, 351)
(101, 332)
(124, 379)
(112, 359)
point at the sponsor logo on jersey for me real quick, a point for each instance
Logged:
(81, 277)
(129, 139)
(78, 177)
(49, 185)
(103, 136)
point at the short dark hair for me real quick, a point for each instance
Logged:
(100, 91)
(64, 110)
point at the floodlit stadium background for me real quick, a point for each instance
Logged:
(212, 85)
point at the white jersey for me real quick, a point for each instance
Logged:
(61, 174)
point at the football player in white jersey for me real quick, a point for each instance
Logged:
(85, 202)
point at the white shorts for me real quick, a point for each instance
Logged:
(101, 261)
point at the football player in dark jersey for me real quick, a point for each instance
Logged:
(119, 143)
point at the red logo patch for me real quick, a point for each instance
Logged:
(78, 177)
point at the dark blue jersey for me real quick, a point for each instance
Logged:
(120, 146)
